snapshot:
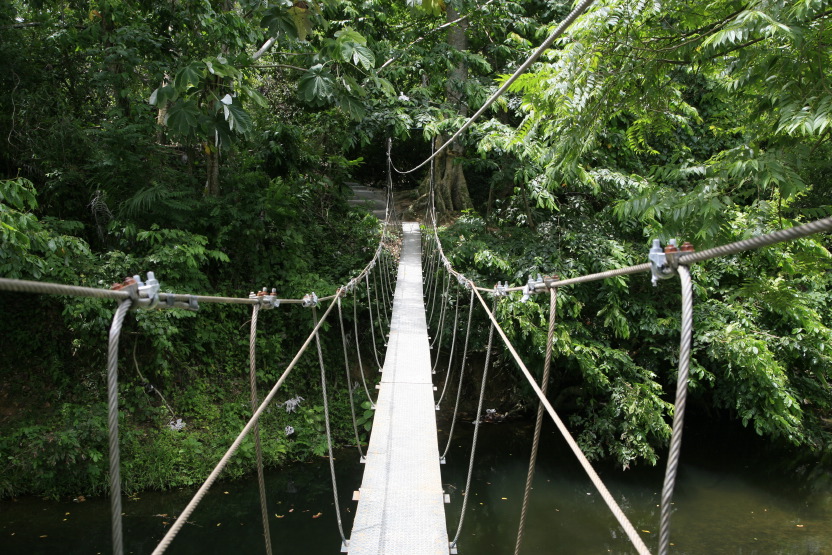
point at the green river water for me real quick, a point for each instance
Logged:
(728, 500)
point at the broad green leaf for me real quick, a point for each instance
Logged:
(182, 117)
(316, 86)
(189, 76)
(279, 21)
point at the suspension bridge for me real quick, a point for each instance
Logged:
(400, 500)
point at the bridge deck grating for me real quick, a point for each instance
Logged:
(401, 507)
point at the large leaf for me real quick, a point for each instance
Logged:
(316, 86)
(279, 21)
(183, 117)
(162, 96)
(189, 76)
(352, 106)
(237, 118)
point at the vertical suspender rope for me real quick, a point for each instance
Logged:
(679, 411)
(378, 302)
(357, 346)
(453, 346)
(538, 424)
(255, 402)
(112, 425)
(435, 289)
(349, 386)
(442, 310)
(605, 494)
(326, 423)
(467, 492)
(372, 324)
(461, 376)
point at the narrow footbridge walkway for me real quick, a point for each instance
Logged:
(401, 503)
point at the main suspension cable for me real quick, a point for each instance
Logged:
(563, 26)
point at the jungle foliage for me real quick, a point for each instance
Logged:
(209, 141)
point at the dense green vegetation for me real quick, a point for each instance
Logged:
(210, 141)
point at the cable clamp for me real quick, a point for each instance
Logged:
(664, 262)
(501, 290)
(148, 291)
(267, 300)
(310, 300)
(129, 286)
(532, 287)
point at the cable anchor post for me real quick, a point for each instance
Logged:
(310, 300)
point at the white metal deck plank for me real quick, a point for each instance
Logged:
(401, 507)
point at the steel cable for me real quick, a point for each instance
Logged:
(441, 326)
(326, 424)
(349, 385)
(567, 21)
(461, 376)
(372, 324)
(212, 477)
(358, 348)
(628, 528)
(467, 491)
(258, 449)
(379, 312)
(538, 423)
(679, 411)
(448, 369)
(112, 426)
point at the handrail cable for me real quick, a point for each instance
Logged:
(635, 539)
(212, 477)
(112, 425)
(467, 492)
(567, 21)
(686, 337)
(538, 423)
(349, 382)
(261, 480)
(688, 258)
(326, 423)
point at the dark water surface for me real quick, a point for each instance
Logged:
(726, 501)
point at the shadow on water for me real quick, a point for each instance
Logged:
(725, 502)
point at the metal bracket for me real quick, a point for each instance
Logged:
(531, 288)
(501, 290)
(267, 300)
(143, 294)
(663, 262)
(310, 300)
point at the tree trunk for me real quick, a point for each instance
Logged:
(451, 186)
(212, 163)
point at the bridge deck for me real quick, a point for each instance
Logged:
(401, 506)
